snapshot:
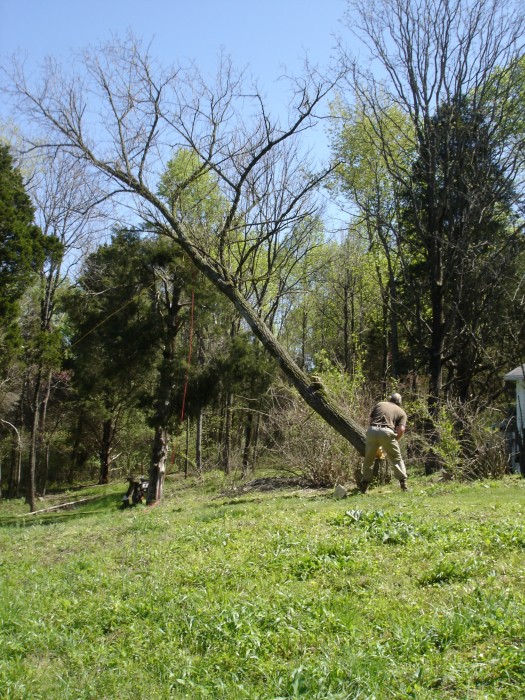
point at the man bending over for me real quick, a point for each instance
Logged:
(387, 426)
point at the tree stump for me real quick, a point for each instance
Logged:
(382, 471)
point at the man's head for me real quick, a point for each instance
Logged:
(396, 398)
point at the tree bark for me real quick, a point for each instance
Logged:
(105, 450)
(198, 442)
(247, 444)
(41, 434)
(158, 465)
(16, 461)
(394, 334)
(256, 441)
(76, 456)
(187, 455)
(226, 437)
(347, 331)
(164, 399)
(437, 330)
(33, 449)
(317, 399)
(382, 471)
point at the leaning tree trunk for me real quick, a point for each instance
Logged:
(317, 399)
(314, 395)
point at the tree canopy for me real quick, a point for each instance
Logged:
(218, 239)
(23, 248)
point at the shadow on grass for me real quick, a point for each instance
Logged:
(94, 505)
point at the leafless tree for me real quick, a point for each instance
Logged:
(68, 210)
(124, 117)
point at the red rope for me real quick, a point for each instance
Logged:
(189, 355)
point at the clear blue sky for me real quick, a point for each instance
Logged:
(269, 37)
(266, 36)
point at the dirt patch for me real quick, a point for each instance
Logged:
(272, 483)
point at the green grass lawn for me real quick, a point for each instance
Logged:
(280, 594)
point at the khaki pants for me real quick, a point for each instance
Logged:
(385, 438)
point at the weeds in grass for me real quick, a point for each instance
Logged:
(444, 572)
(381, 526)
(282, 596)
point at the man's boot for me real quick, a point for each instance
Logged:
(403, 484)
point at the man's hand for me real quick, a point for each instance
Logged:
(400, 431)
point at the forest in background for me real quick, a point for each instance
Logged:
(174, 294)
